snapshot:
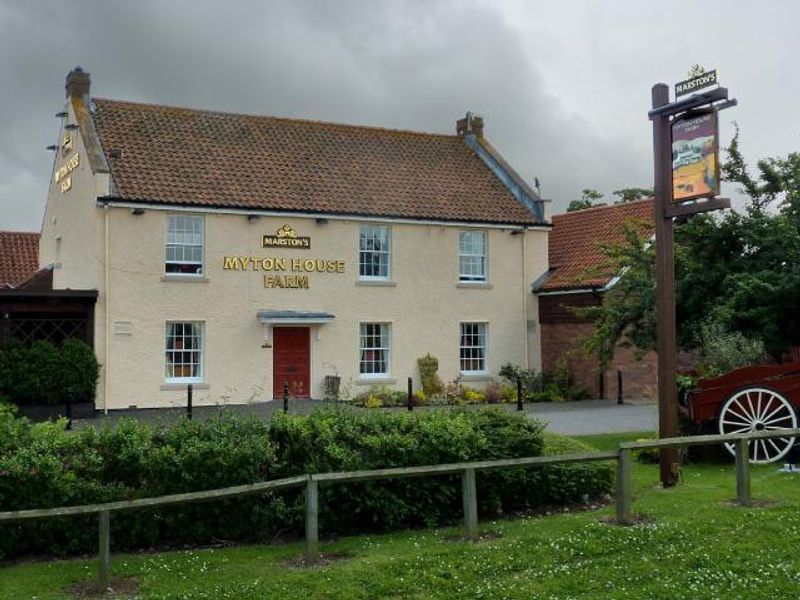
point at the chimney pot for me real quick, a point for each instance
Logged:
(470, 124)
(77, 83)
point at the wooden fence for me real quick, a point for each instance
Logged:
(623, 456)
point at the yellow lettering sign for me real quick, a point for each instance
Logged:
(68, 167)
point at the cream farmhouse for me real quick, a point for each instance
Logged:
(243, 253)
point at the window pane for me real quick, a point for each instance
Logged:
(374, 253)
(472, 256)
(184, 247)
(374, 349)
(473, 347)
(184, 351)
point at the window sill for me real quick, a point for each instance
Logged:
(165, 387)
(376, 381)
(376, 283)
(185, 278)
(485, 285)
(474, 377)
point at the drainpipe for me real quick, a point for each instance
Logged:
(525, 300)
(108, 321)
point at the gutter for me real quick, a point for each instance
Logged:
(336, 216)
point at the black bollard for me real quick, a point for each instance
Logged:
(619, 387)
(410, 396)
(602, 385)
(189, 390)
(69, 409)
(286, 396)
(519, 393)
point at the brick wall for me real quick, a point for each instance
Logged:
(563, 335)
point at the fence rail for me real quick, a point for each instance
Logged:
(623, 457)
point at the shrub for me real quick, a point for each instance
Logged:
(380, 395)
(493, 393)
(722, 351)
(44, 374)
(44, 466)
(428, 371)
(532, 382)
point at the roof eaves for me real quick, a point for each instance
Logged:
(507, 176)
(301, 212)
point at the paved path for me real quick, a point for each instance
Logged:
(572, 418)
(597, 416)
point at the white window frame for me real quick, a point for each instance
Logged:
(386, 347)
(387, 252)
(201, 351)
(463, 276)
(485, 347)
(176, 238)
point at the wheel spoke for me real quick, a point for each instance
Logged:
(740, 430)
(774, 445)
(755, 451)
(779, 419)
(742, 417)
(736, 423)
(758, 405)
(765, 449)
(774, 412)
(767, 405)
(750, 404)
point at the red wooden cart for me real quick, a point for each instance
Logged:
(751, 399)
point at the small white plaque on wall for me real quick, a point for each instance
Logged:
(123, 330)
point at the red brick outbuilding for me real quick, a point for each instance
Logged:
(575, 279)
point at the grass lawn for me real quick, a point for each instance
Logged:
(695, 545)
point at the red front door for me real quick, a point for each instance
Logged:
(291, 361)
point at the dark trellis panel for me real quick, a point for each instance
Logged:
(53, 330)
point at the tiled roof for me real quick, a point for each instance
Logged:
(193, 157)
(574, 244)
(19, 256)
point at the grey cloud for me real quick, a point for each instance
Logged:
(530, 69)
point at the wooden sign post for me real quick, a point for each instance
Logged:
(662, 115)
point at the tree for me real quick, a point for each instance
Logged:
(737, 274)
(587, 200)
(633, 193)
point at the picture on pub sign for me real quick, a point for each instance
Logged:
(695, 160)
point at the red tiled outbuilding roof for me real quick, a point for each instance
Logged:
(574, 244)
(192, 157)
(19, 256)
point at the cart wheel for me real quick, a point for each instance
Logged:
(759, 409)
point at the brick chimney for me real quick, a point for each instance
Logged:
(77, 83)
(471, 124)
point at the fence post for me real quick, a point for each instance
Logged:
(519, 393)
(312, 520)
(624, 486)
(470, 497)
(619, 387)
(286, 396)
(189, 390)
(104, 558)
(742, 473)
(410, 395)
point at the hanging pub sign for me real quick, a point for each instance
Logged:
(695, 156)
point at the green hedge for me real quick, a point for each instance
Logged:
(43, 373)
(42, 465)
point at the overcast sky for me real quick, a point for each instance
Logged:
(564, 87)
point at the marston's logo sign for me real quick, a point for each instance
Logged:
(696, 82)
(286, 237)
